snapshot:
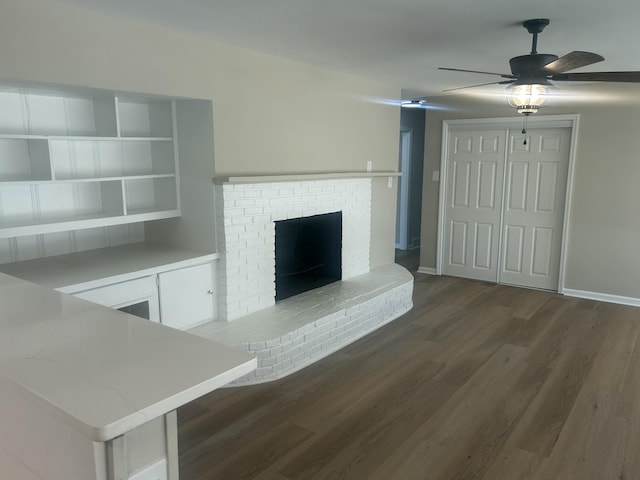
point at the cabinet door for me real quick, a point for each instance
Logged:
(186, 296)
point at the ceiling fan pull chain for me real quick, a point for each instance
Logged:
(524, 129)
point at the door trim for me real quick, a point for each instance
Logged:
(543, 121)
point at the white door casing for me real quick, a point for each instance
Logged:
(532, 197)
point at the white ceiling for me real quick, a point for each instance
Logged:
(402, 42)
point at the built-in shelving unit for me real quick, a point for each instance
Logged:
(100, 199)
(73, 159)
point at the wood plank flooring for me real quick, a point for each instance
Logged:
(478, 381)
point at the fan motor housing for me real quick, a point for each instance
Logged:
(531, 65)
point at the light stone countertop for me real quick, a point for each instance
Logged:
(101, 371)
(75, 272)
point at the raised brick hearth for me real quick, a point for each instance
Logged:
(304, 328)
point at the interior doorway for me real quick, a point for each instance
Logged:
(404, 183)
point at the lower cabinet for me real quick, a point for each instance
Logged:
(180, 298)
(137, 297)
(187, 296)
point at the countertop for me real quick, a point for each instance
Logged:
(101, 371)
(75, 272)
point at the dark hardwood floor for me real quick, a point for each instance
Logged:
(478, 381)
(409, 259)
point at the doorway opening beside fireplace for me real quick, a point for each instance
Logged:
(308, 253)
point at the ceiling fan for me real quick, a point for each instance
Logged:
(531, 75)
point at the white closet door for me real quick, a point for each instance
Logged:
(536, 181)
(475, 171)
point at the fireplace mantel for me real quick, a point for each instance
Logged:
(295, 177)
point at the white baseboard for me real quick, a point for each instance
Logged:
(602, 297)
(427, 270)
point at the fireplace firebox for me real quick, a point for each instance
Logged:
(308, 253)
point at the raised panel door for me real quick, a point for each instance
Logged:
(474, 175)
(533, 216)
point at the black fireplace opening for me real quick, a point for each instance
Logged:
(308, 253)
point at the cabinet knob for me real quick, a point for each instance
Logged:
(210, 292)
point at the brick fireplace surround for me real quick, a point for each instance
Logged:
(300, 330)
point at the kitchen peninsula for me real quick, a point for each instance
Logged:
(88, 392)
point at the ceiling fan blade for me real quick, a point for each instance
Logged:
(571, 61)
(504, 82)
(503, 75)
(627, 77)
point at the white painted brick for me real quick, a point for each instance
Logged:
(256, 346)
(231, 211)
(293, 351)
(283, 365)
(262, 354)
(305, 330)
(299, 359)
(325, 320)
(268, 362)
(245, 202)
(231, 195)
(314, 351)
(268, 191)
(252, 211)
(252, 193)
(263, 371)
(287, 346)
(287, 199)
(241, 220)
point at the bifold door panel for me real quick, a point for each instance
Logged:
(474, 186)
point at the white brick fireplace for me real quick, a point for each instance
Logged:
(302, 329)
(245, 218)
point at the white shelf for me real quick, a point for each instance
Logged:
(23, 137)
(54, 225)
(84, 137)
(36, 111)
(97, 268)
(81, 160)
(103, 179)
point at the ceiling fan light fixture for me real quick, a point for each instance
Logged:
(528, 98)
(413, 103)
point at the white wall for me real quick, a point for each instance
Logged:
(270, 115)
(604, 231)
